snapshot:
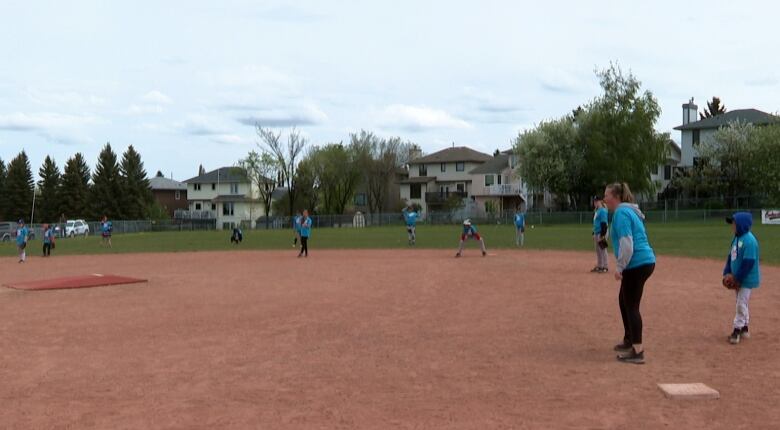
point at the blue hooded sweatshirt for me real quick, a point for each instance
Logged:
(743, 257)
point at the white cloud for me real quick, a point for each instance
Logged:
(417, 118)
(306, 114)
(43, 121)
(144, 109)
(156, 97)
(59, 99)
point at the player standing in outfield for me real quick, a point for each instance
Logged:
(105, 230)
(600, 226)
(48, 240)
(635, 264)
(410, 217)
(305, 234)
(519, 227)
(741, 273)
(22, 233)
(297, 228)
(470, 231)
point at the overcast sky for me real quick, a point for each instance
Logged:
(185, 81)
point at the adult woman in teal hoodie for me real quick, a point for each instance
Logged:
(634, 266)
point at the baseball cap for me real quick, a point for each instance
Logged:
(467, 222)
(730, 219)
(21, 221)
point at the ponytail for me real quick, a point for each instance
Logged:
(621, 191)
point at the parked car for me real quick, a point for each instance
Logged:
(77, 227)
(8, 232)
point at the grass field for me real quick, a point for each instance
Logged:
(709, 240)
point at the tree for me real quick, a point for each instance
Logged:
(19, 188)
(729, 152)
(378, 160)
(261, 172)
(48, 206)
(137, 197)
(3, 174)
(620, 122)
(337, 172)
(714, 108)
(74, 190)
(765, 162)
(286, 157)
(106, 192)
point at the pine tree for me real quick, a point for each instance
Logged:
(74, 194)
(137, 196)
(3, 174)
(19, 188)
(48, 205)
(106, 193)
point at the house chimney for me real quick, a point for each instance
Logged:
(690, 110)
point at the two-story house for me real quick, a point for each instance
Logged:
(438, 177)
(225, 195)
(169, 194)
(694, 131)
(662, 176)
(496, 186)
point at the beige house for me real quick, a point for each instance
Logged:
(438, 177)
(225, 195)
(496, 186)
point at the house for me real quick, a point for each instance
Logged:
(169, 194)
(437, 179)
(662, 177)
(694, 131)
(224, 195)
(496, 186)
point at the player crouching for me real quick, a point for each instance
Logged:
(470, 231)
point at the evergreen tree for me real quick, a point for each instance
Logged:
(3, 174)
(137, 196)
(106, 193)
(19, 188)
(74, 194)
(48, 205)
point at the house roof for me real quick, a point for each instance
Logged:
(221, 175)
(752, 116)
(418, 180)
(162, 183)
(494, 165)
(450, 155)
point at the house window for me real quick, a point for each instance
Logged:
(488, 180)
(415, 191)
(227, 208)
(443, 167)
(696, 137)
(213, 186)
(422, 170)
(499, 179)
(667, 172)
(197, 206)
(196, 187)
(461, 188)
(177, 195)
(360, 199)
(214, 206)
(233, 188)
(460, 166)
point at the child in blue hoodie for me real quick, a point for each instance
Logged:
(742, 263)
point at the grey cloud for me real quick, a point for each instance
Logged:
(766, 81)
(290, 121)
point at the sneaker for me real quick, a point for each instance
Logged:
(622, 347)
(744, 333)
(484, 253)
(735, 336)
(457, 255)
(603, 270)
(632, 357)
(595, 270)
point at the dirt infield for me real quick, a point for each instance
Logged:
(376, 339)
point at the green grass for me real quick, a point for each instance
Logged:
(687, 239)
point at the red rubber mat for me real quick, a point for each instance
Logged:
(85, 281)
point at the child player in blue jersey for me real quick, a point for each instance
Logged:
(470, 232)
(22, 233)
(519, 227)
(105, 230)
(410, 217)
(305, 234)
(742, 272)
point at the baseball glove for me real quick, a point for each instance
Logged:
(603, 243)
(730, 282)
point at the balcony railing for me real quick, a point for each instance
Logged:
(500, 190)
(443, 196)
(187, 214)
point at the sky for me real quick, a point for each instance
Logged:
(185, 82)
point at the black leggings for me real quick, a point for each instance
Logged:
(46, 249)
(631, 288)
(304, 245)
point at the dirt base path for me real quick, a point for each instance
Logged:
(376, 339)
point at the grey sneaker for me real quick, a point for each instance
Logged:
(632, 357)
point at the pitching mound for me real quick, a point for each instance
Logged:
(87, 281)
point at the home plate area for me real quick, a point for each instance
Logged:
(84, 281)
